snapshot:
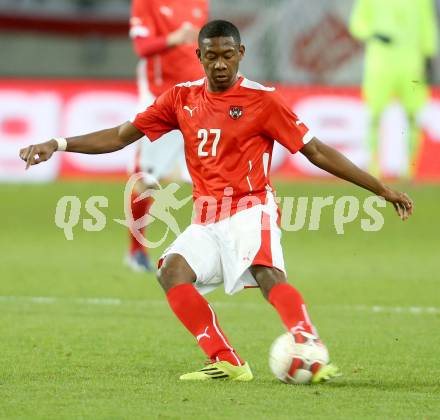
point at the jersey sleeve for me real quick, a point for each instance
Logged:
(141, 20)
(159, 118)
(282, 125)
(143, 30)
(360, 25)
(146, 47)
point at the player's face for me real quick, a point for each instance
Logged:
(220, 58)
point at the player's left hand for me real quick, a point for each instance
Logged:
(37, 153)
(403, 205)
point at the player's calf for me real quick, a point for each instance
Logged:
(284, 297)
(194, 312)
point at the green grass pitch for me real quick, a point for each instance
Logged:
(70, 354)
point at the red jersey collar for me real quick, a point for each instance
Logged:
(234, 87)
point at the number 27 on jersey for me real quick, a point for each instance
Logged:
(203, 134)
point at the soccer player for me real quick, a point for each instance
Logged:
(401, 40)
(164, 35)
(229, 124)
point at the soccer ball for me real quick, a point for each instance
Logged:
(295, 358)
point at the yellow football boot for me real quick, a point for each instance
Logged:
(220, 370)
(326, 373)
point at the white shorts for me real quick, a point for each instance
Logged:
(165, 156)
(222, 252)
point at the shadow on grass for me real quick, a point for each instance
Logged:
(343, 384)
(391, 385)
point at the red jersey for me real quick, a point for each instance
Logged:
(155, 19)
(229, 137)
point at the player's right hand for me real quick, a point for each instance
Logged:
(403, 205)
(186, 34)
(37, 153)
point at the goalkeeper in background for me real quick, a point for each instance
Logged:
(401, 39)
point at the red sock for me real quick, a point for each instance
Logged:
(291, 307)
(198, 317)
(138, 209)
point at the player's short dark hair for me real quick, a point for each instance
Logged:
(217, 28)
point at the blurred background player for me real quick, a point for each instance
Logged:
(164, 35)
(401, 39)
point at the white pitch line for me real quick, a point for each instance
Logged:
(401, 309)
(48, 300)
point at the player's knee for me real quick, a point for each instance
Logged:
(267, 277)
(168, 276)
(174, 271)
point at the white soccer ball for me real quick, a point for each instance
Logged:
(294, 359)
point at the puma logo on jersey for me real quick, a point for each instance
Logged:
(165, 10)
(205, 334)
(187, 108)
(197, 13)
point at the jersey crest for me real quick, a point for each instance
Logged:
(235, 112)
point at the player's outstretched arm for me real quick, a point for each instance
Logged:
(330, 160)
(104, 141)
